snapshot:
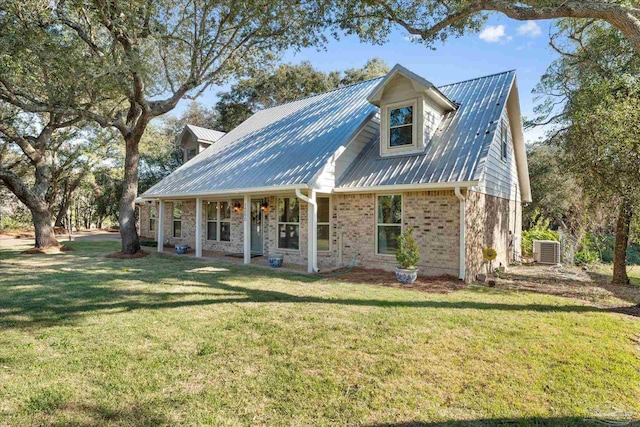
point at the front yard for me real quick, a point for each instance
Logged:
(163, 340)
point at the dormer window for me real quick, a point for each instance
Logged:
(401, 126)
(411, 109)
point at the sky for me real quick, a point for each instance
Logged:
(502, 44)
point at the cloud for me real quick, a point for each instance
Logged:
(530, 28)
(492, 34)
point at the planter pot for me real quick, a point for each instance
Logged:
(181, 249)
(406, 276)
(276, 260)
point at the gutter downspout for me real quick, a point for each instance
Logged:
(463, 232)
(312, 234)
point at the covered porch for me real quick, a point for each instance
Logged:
(245, 228)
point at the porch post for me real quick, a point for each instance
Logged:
(198, 227)
(247, 229)
(160, 225)
(312, 233)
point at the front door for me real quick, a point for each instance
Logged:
(256, 227)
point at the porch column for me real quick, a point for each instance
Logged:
(198, 227)
(312, 233)
(160, 225)
(247, 229)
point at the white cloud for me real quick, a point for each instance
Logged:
(530, 28)
(492, 34)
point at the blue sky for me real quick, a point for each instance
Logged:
(503, 44)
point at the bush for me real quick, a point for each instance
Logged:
(15, 222)
(539, 231)
(599, 247)
(407, 253)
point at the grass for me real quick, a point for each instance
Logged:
(633, 271)
(163, 340)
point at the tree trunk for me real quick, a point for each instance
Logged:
(127, 217)
(45, 237)
(620, 249)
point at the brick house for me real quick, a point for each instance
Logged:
(339, 175)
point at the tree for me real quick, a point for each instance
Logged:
(139, 58)
(37, 156)
(434, 21)
(288, 82)
(592, 97)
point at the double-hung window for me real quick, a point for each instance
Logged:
(401, 126)
(288, 223)
(388, 223)
(504, 135)
(219, 221)
(177, 219)
(152, 218)
(324, 223)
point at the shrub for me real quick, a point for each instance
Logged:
(539, 231)
(599, 247)
(407, 253)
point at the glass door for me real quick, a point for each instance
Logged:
(256, 227)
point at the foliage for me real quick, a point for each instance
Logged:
(286, 83)
(434, 21)
(592, 93)
(539, 231)
(407, 252)
(599, 247)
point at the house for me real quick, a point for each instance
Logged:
(341, 174)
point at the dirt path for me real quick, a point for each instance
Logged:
(26, 240)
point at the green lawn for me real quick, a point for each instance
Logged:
(86, 340)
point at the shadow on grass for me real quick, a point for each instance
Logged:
(533, 421)
(86, 284)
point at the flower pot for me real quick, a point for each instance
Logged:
(276, 260)
(406, 276)
(181, 249)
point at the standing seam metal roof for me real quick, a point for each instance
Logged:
(279, 146)
(288, 144)
(205, 134)
(458, 150)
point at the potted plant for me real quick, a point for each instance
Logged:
(275, 260)
(408, 256)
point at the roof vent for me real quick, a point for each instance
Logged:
(546, 252)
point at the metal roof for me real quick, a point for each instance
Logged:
(286, 146)
(277, 147)
(205, 134)
(457, 151)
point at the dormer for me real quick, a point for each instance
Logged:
(195, 139)
(411, 109)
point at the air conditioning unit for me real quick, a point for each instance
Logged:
(546, 251)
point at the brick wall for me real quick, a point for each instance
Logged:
(434, 215)
(489, 220)
(144, 222)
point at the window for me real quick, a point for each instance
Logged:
(152, 218)
(219, 221)
(401, 126)
(177, 219)
(324, 226)
(191, 153)
(389, 223)
(288, 223)
(212, 220)
(504, 134)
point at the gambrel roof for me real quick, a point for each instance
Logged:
(289, 145)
